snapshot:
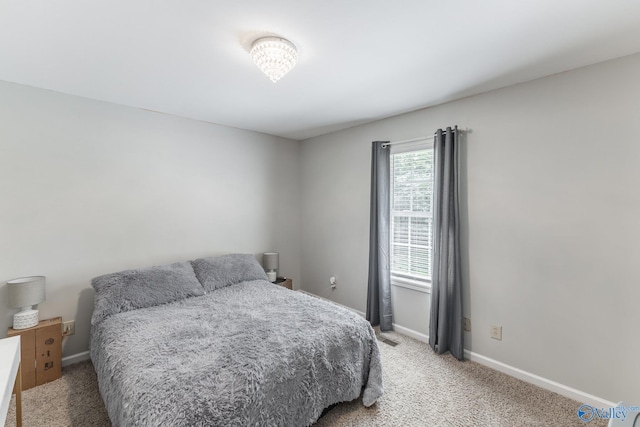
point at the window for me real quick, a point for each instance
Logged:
(411, 216)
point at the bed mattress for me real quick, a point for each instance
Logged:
(250, 354)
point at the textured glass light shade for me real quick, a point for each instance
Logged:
(274, 56)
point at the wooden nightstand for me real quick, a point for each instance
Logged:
(40, 352)
(283, 281)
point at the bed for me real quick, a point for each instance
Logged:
(212, 343)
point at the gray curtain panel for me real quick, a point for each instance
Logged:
(379, 310)
(446, 326)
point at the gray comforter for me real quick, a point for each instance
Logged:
(250, 354)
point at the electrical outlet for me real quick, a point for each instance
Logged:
(332, 282)
(68, 328)
(467, 324)
(496, 332)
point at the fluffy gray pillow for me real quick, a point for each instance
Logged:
(218, 272)
(146, 287)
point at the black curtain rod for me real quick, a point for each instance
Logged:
(420, 138)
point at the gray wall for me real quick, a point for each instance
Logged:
(549, 203)
(551, 224)
(88, 188)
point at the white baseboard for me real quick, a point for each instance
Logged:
(541, 382)
(411, 333)
(75, 358)
(525, 376)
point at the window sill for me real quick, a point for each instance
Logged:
(410, 284)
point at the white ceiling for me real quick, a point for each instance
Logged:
(359, 60)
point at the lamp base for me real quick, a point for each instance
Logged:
(27, 318)
(272, 276)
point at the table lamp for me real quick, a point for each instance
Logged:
(270, 263)
(23, 294)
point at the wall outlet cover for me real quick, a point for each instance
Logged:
(496, 332)
(68, 328)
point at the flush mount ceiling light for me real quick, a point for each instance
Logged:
(275, 56)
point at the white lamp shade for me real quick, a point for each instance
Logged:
(270, 260)
(26, 291)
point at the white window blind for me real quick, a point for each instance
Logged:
(411, 199)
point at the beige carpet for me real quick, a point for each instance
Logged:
(421, 389)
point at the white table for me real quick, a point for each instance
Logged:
(10, 378)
